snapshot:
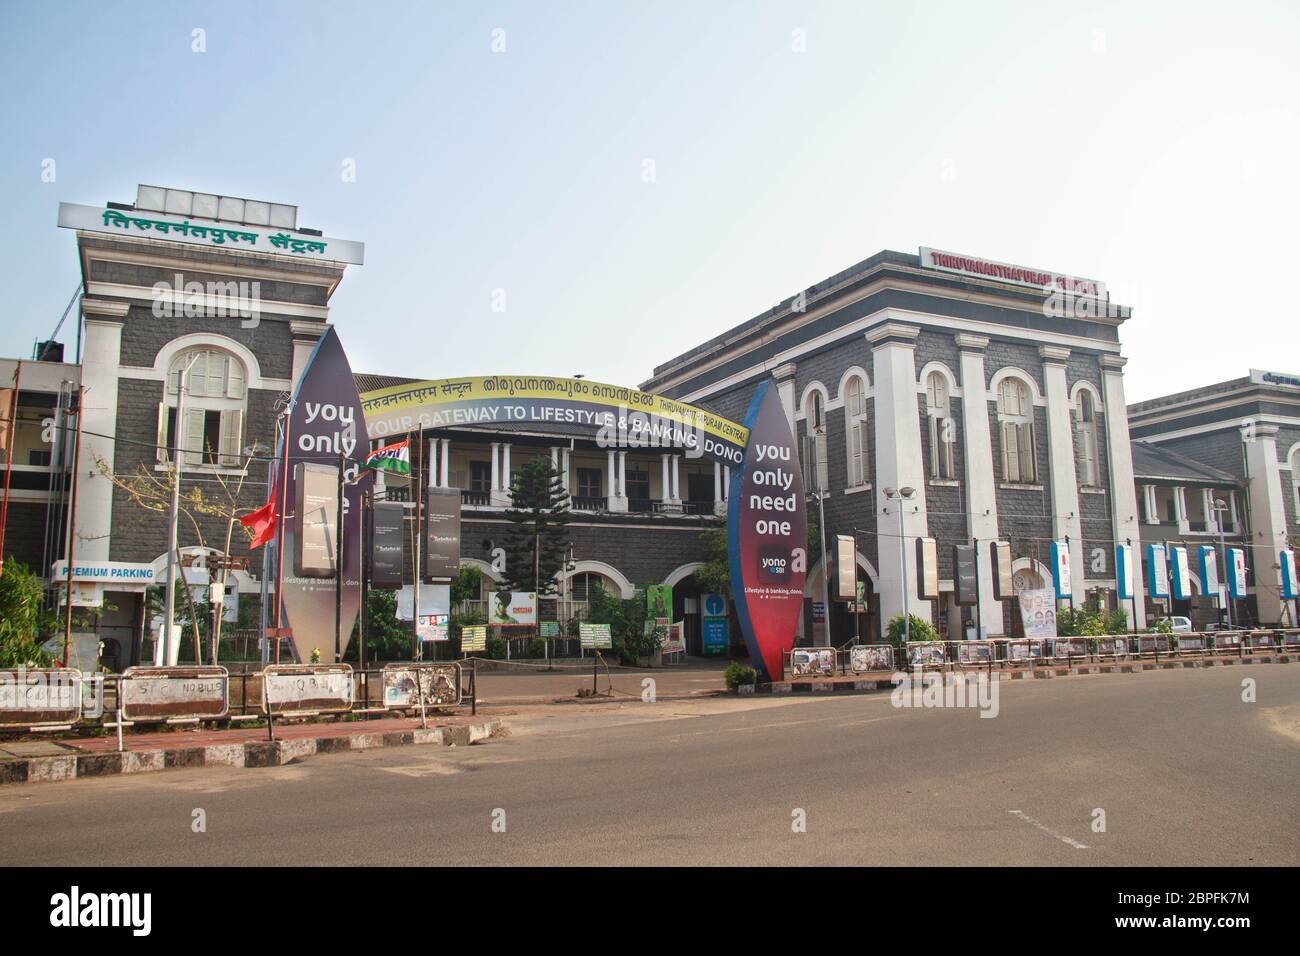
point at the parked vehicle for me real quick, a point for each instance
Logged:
(1180, 623)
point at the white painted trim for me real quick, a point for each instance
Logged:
(954, 390)
(607, 570)
(849, 372)
(1085, 386)
(804, 403)
(682, 573)
(192, 340)
(858, 326)
(1234, 425)
(141, 374)
(266, 307)
(1012, 371)
(483, 566)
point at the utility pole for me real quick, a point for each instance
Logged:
(1219, 509)
(162, 651)
(72, 524)
(900, 494)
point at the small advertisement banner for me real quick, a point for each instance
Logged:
(1124, 571)
(965, 573)
(433, 627)
(1023, 650)
(1070, 647)
(164, 693)
(674, 639)
(315, 519)
(288, 688)
(1157, 571)
(1208, 563)
(473, 639)
(715, 636)
(406, 684)
(513, 608)
(871, 657)
(1038, 611)
(1286, 575)
(548, 629)
(659, 601)
(974, 652)
(595, 637)
(1180, 583)
(1237, 573)
(1113, 646)
(1060, 557)
(812, 660)
(927, 654)
(40, 696)
(846, 564)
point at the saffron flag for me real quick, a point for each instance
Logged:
(395, 457)
(261, 522)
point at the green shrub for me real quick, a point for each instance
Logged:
(496, 647)
(737, 674)
(537, 648)
(922, 630)
(22, 618)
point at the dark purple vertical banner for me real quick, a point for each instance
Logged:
(326, 426)
(767, 535)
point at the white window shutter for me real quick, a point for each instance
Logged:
(1010, 453)
(235, 382)
(1028, 465)
(232, 437)
(192, 442)
(164, 455)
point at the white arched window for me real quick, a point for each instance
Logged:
(855, 423)
(1016, 420)
(814, 444)
(216, 396)
(942, 427)
(1295, 478)
(1085, 439)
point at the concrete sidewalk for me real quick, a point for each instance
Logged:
(30, 761)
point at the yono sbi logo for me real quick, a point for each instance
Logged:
(77, 909)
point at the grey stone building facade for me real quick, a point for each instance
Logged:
(1248, 430)
(994, 392)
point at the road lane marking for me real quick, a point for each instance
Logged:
(1048, 830)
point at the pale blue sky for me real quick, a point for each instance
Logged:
(1151, 145)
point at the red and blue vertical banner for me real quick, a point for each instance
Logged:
(1181, 578)
(1236, 573)
(767, 535)
(1208, 563)
(1157, 571)
(1061, 578)
(1124, 571)
(1287, 576)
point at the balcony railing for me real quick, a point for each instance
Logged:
(588, 503)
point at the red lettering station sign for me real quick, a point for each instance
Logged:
(767, 535)
(1006, 272)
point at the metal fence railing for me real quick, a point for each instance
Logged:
(1010, 653)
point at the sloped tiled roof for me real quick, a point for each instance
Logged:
(1152, 461)
(368, 383)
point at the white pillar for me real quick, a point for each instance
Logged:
(611, 489)
(785, 388)
(505, 467)
(379, 485)
(677, 479)
(1207, 507)
(1232, 512)
(719, 504)
(1125, 525)
(622, 475)
(1066, 521)
(99, 375)
(444, 462)
(1152, 504)
(726, 482)
(981, 481)
(899, 465)
(496, 471)
(1267, 516)
(432, 480)
(1180, 509)
(665, 487)
(564, 469)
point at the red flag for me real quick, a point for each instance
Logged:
(261, 522)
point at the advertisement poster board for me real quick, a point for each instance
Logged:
(1061, 576)
(812, 660)
(871, 657)
(441, 534)
(659, 601)
(433, 627)
(927, 654)
(387, 530)
(1158, 571)
(473, 639)
(595, 637)
(714, 629)
(315, 515)
(1038, 611)
(513, 608)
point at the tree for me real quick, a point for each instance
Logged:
(538, 537)
(22, 618)
(715, 576)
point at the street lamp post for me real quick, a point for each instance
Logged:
(820, 493)
(900, 494)
(1219, 508)
(162, 654)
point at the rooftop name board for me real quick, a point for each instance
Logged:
(1040, 279)
(147, 224)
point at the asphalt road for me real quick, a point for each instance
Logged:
(1186, 772)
